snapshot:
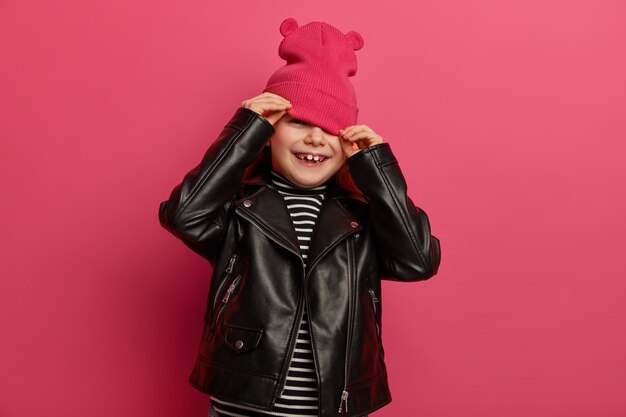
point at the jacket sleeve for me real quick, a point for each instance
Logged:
(408, 251)
(196, 211)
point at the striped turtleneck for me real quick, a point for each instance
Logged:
(304, 205)
(299, 397)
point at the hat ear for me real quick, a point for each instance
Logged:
(288, 26)
(355, 40)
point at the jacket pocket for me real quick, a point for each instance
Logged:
(242, 339)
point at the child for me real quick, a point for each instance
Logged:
(300, 234)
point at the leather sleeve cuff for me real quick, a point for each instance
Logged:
(381, 152)
(244, 116)
(369, 160)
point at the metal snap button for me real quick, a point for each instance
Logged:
(247, 203)
(239, 344)
(354, 224)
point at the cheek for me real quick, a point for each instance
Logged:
(335, 144)
(339, 159)
(281, 156)
(338, 164)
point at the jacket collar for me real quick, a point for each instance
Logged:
(265, 207)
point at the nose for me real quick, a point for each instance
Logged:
(315, 136)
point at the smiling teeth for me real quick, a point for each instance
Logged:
(310, 157)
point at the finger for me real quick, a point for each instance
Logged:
(274, 102)
(268, 96)
(263, 100)
(357, 127)
(360, 136)
(356, 130)
(348, 148)
(275, 116)
(347, 130)
(273, 99)
(272, 107)
(267, 108)
(362, 144)
(267, 93)
(351, 144)
(265, 104)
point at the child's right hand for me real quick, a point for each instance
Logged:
(269, 105)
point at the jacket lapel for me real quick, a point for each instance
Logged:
(334, 223)
(267, 210)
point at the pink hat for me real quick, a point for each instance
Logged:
(320, 58)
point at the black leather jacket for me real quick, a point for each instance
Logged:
(259, 288)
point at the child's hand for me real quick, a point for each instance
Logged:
(357, 137)
(269, 105)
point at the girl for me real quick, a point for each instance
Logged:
(300, 234)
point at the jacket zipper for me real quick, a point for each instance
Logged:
(229, 292)
(344, 393)
(229, 270)
(374, 301)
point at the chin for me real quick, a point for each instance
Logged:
(310, 182)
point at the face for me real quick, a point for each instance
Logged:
(305, 154)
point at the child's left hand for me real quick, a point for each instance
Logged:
(357, 137)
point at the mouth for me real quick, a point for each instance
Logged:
(310, 159)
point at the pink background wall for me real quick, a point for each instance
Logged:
(508, 119)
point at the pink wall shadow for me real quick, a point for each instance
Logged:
(507, 118)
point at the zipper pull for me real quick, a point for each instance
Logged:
(344, 400)
(228, 293)
(229, 269)
(373, 295)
